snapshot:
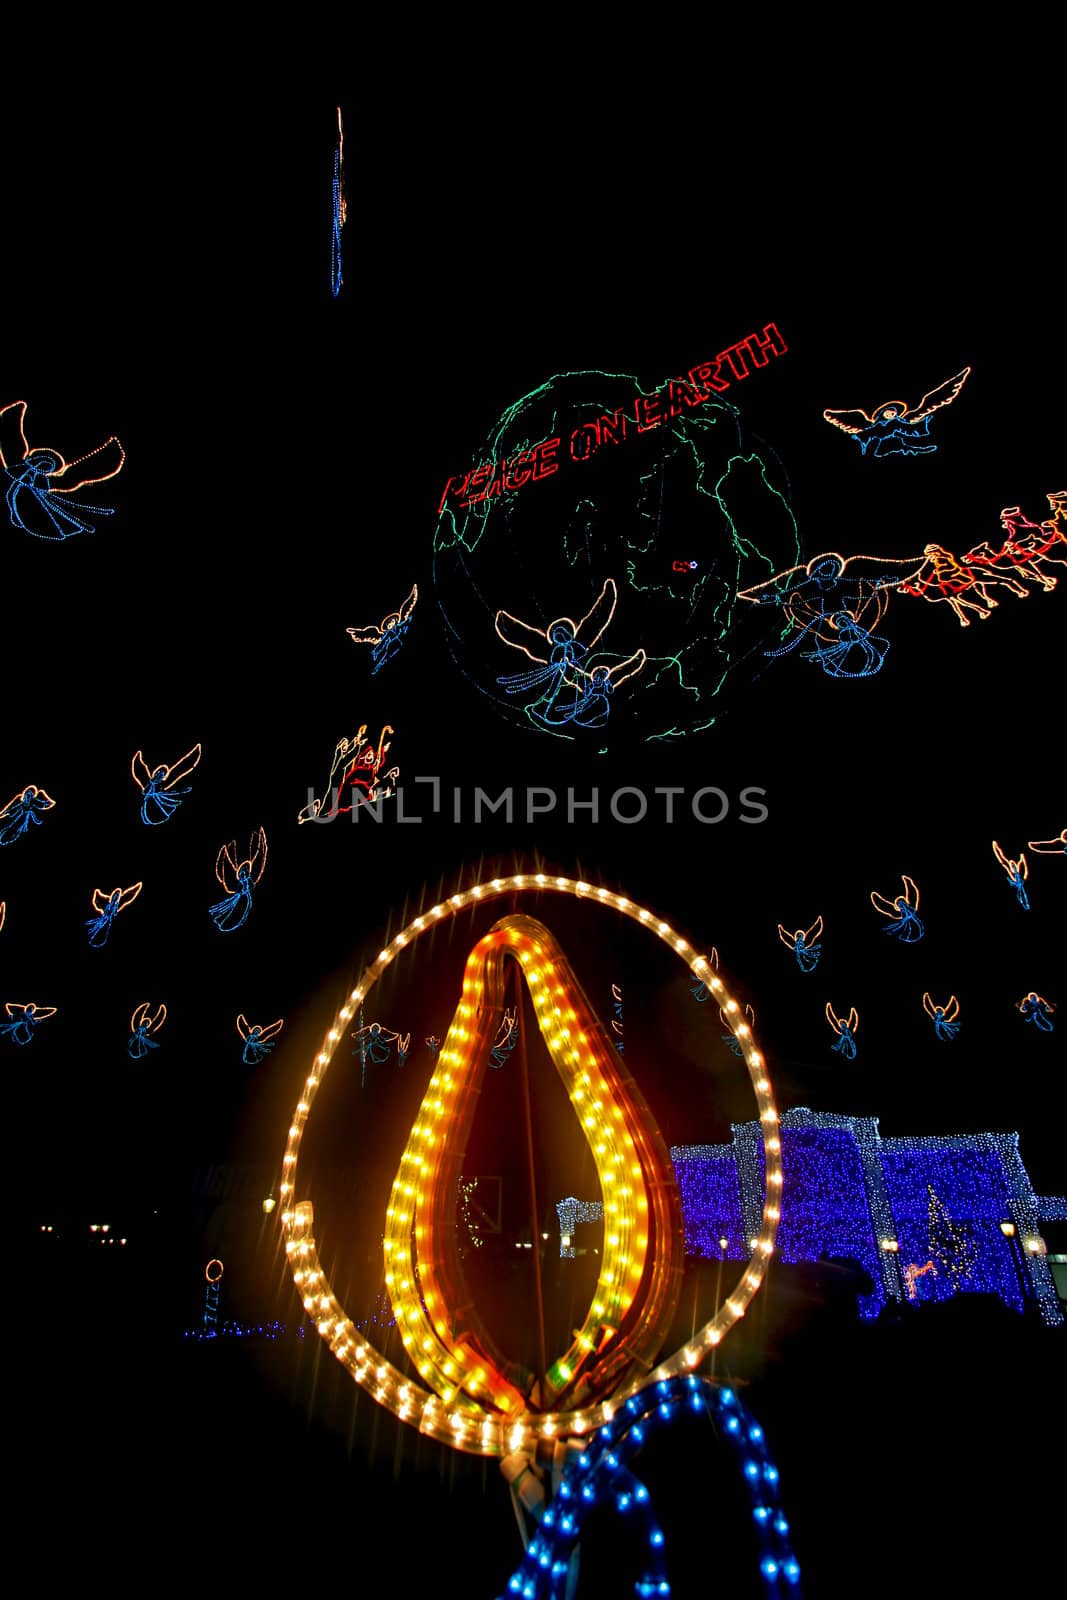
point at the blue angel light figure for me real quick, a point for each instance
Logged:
(23, 812)
(844, 648)
(238, 879)
(905, 924)
(833, 604)
(572, 689)
(1036, 1010)
(730, 1039)
(845, 1030)
(160, 798)
(339, 209)
(1017, 872)
(617, 1023)
(35, 495)
(507, 1037)
(143, 1023)
(435, 1044)
(943, 1017)
(891, 429)
(804, 944)
(374, 1043)
(107, 907)
(25, 1019)
(698, 988)
(258, 1040)
(386, 637)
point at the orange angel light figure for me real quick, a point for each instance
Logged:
(143, 1023)
(160, 796)
(238, 879)
(1050, 847)
(845, 1028)
(1037, 1010)
(906, 925)
(387, 636)
(23, 812)
(108, 907)
(891, 429)
(37, 479)
(943, 1017)
(804, 944)
(258, 1040)
(574, 687)
(24, 1020)
(1017, 872)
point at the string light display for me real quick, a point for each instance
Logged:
(33, 476)
(601, 521)
(357, 767)
(730, 1039)
(891, 429)
(213, 1278)
(107, 907)
(599, 1476)
(1017, 873)
(617, 1022)
(470, 1236)
(386, 637)
(507, 1037)
(340, 209)
(160, 796)
(238, 879)
(1037, 1011)
(833, 604)
(25, 1020)
(845, 1029)
(570, 1212)
(951, 1244)
(142, 1025)
(633, 1304)
(905, 923)
(258, 1040)
(573, 685)
(374, 1043)
(913, 1272)
(23, 812)
(943, 1017)
(849, 1193)
(463, 1420)
(3, 913)
(1050, 847)
(804, 944)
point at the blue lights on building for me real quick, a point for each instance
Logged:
(962, 1201)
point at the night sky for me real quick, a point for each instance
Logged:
(286, 453)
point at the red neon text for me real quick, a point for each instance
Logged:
(642, 415)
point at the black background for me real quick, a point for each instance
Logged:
(168, 281)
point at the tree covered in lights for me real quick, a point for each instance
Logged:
(952, 1245)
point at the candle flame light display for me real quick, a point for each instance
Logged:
(466, 1393)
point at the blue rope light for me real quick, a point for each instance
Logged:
(600, 1476)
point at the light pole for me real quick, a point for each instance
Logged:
(1008, 1230)
(723, 1243)
(891, 1247)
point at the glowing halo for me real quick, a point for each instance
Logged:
(214, 1262)
(465, 1428)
